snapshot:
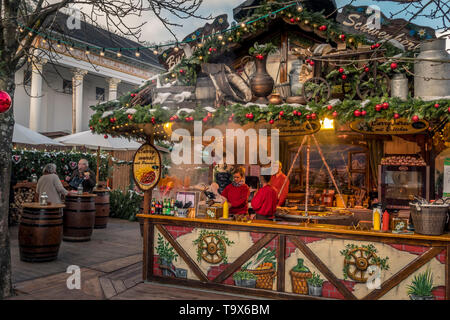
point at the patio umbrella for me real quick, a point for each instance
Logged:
(27, 136)
(96, 141)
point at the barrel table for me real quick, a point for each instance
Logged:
(40, 232)
(79, 217)
(101, 208)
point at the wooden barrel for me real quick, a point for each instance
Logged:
(101, 209)
(204, 89)
(79, 217)
(40, 232)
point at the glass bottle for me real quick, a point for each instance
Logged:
(80, 189)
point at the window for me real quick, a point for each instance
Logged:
(100, 94)
(67, 86)
(27, 77)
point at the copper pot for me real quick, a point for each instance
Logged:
(261, 82)
(275, 98)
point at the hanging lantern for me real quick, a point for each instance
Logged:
(5, 101)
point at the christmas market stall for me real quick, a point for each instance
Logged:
(359, 122)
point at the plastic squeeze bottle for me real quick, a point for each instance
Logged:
(376, 220)
(385, 221)
(225, 210)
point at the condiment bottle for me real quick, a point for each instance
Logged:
(385, 221)
(376, 220)
(225, 210)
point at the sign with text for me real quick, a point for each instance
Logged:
(171, 57)
(146, 167)
(288, 129)
(383, 126)
(373, 24)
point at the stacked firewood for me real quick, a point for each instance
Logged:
(403, 161)
(21, 195)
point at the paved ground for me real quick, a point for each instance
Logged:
(110, 265)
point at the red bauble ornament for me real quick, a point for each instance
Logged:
(378, 107)
(377, 45)
(92, 128)
(329, 107)
(172, 118)
(363, 112)
(372, 47)
(436, 105)
(308, 116)
(209, 114)
(205, 119)
(230, 119)
(308, 61)
(344, 77)
(313, 116)
(396, 116)
(105, 136)
(250, 116)
(357, 113)
(311, 62)
(99, 120)
(385, 105)
(366, 69)
(271, 121)
(294, 112)
(335, 114)
(448, 109)
(393, 65)
(281, 113)
(323, 28)
(246, 115)
(292, 20)
(342, 37)
(181, 70)
(153, 120)
(415, 118)
(210, 49)
(341, 70)
(130, 117)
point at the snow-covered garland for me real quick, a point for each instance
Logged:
(344, 111)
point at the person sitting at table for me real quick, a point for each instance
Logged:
(277, 182)
(50, 184)
(84, 176)
(237, 193)
(264, 203)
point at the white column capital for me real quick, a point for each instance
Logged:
(78, 74)
(37, 64)
(113, 82)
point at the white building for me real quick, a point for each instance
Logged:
(53, 93)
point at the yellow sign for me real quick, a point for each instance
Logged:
(383, 126)
(304, 128)
(146, 167)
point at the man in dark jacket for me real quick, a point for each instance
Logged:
(83, 175)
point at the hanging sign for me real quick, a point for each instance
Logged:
(383, 126)
(147, 167)
(376, 26)
(304, 128)
(447, 177)
(171, 57)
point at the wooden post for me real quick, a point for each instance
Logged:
(147, 199)
(284, 57)
(147, 263)
(281, 261)
(98, 165)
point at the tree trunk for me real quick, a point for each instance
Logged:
(6, 133)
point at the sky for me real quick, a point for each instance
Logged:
(153, 31)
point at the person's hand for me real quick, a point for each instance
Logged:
(87, 174)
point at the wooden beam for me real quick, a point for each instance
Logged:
(404, 273)
(281, 261)
(283, 57)
(447, 273)
(244, 257)
(323, 268)
(183, 254)
(148, 238)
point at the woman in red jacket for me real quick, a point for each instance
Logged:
(237, 193)
(265, 201)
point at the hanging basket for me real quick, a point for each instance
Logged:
(264, 278)
(299, 281)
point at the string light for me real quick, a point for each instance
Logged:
(87, 50)
(58, 44)
(119, 53)
(138, 54)
(242, 25)
(299, 7)
(102, 53)
(155, 52)
(220, 37)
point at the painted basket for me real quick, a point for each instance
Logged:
(264, 278)
(299, 281)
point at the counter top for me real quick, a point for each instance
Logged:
(286, 227)
(84, 195)
(36, 205)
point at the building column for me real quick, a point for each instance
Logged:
(77, 99)
(112, 82)
(36, 112)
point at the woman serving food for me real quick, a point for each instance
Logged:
(237, 193)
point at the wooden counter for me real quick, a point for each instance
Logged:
(324, 249)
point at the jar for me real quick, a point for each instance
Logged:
(80, 189)
(43, 199)
(34, 178)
